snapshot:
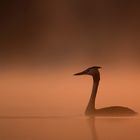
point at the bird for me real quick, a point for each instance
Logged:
(106, 111)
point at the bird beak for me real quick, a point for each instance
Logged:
(81, 73)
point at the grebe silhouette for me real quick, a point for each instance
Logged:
(107, 111)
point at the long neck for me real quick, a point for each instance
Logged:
(91, 104)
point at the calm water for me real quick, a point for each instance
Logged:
(70, 128)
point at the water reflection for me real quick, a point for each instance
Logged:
(92, 126)
(69, 128)
(114, 128)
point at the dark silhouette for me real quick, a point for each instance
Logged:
(91, 110)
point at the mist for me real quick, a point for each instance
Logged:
(59, 34)
(44, 42)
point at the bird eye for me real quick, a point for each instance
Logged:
(88, 70)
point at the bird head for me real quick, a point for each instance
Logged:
(90, 71)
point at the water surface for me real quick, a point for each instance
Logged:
(69, 128)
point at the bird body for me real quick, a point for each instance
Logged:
(112, 111)
(107, 111)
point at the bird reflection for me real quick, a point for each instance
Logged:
(92, 126)
(111, 127)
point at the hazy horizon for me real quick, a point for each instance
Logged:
(43, 43)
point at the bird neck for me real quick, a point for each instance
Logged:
(94, 93)
(91, 105)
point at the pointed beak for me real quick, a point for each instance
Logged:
(80, 73)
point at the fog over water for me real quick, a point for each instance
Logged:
(43, 43)
(59, 92)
